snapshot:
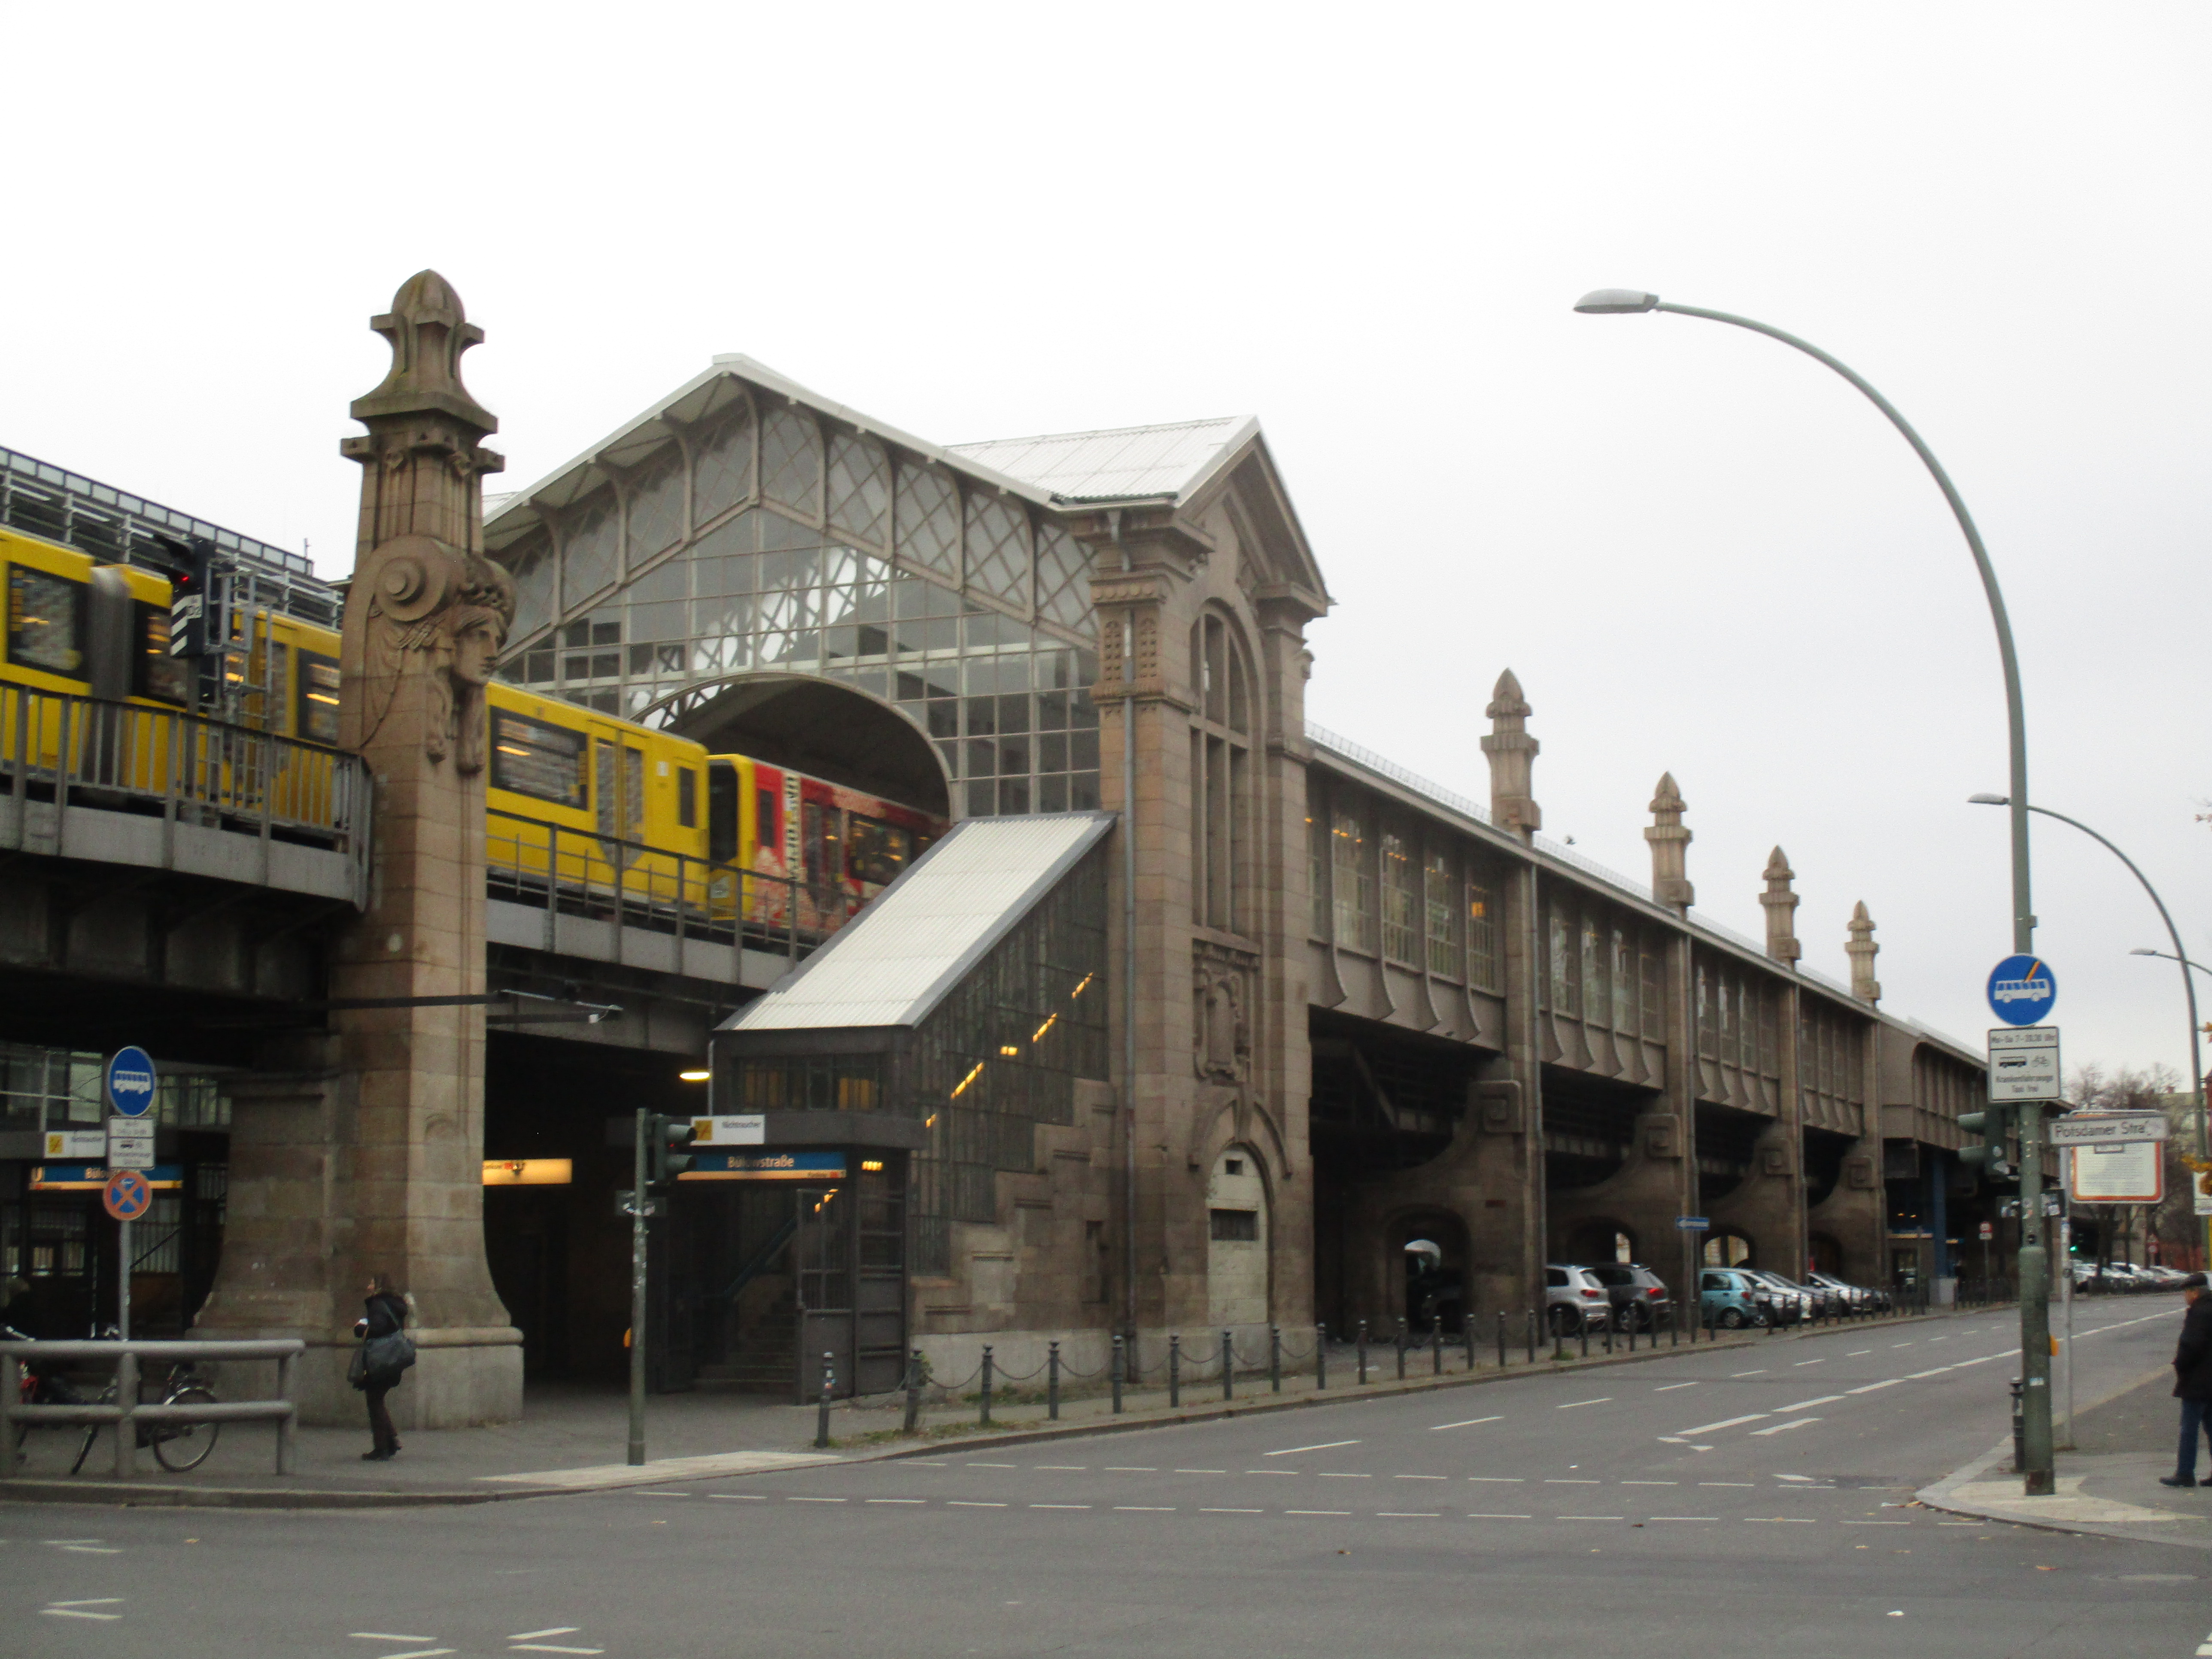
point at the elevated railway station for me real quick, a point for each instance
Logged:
(670, 780)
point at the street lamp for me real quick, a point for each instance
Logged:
(2188, 984)
(2034, 1260)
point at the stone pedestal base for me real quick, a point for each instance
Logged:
(461, 1379)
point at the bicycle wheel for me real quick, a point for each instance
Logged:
(181, 1446)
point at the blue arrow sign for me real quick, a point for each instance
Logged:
(130, 1082)
(2022, 990)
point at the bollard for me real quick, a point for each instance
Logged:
(1174, 1371)
(1501, 1339)
(126, 1431)
(821, 1409)
(1673, 1328)
(1228, 1367)
(1401, 1347)
(1363, 1353)
(913, 1391)
(1609, 1330)
(1321, 1357)
(985, 1419)
(1052, 1381)
(1532, 1336)
(1559, 1335)
(1584, 1313)
(1466, 1331)
(1631, 1328)
(1275, 1359)
(1121, 1360)
(2019, 1430)
(1436, 1345)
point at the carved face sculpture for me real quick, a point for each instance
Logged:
(477, 634)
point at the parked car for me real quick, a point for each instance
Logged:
(1732, 1298)
(1792, 1302)
(1573, 1299)
(1855, 1298)
(1635, 1293)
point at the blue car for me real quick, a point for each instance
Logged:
(1732, 1298)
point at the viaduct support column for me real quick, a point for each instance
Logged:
(397, 1188)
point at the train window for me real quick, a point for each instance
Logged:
(877, 852)
(155, 672)
(47, 621)
(315, 715)
(721, 812)
(820, 829)
(687, 798)
(532, 757)
(766, 828)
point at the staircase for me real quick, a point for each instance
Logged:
(766, 1359)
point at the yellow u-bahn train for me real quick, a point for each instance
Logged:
(575, 800)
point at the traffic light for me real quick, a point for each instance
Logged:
(1994, 1156)
(194, 616)
(667, 1148)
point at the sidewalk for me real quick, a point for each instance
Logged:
(575, 1437)
(2107, 1485)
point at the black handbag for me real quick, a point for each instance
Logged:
(379, 1361)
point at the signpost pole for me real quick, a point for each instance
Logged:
(637, 1201)
(2066, 1299)
(123, 1280)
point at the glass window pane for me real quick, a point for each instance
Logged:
(928, 521)
(722, 477)
(656, 505)
(859, 487)
(1063, 577)
(1400, 941)
(589, 536)
(791, 459)
(999, 547)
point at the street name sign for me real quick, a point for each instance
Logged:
(70, 1145)
(129, 1143)
(2022, 990)
(1692, 1223)
(129, 1080)
(2107, 1128)
(750, 1130)
(2024, 1063)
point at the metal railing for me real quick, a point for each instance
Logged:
(634, 885)
(127, 1415)
(65, 751)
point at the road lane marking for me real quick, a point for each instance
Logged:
(523, 1636)
(1467, 1424)
(1232, 1512)
(1784, 1428)
(1148, 1508)
(740, 1497)
(547, 1647)
(813, 1500)
(1901, 1345)
(1292, 1451)
(1725, 1423)
(1420, 1477)
(1803, 1363)
(1500, 1479)
(1577, 1482)
(1316, 1511)
(1686, 1517)
(1059, 1506)
(86, 1609)
(384, 1636)
(898, 1500)
(1593, 1518)
(1408, 1515)
(1074, 1468)
(1671, 1386)
(1339, 1474)
(1572, 1404)
(1650, 1483)
(1888, 1383)
(971, 1503)
(1500, 1517)
(1761, 1371)
(1877, 1524)
(993, 1466)
(1825, 1399)
(1132, 1468)
(1858, 1352)
(1214, 1471)
(1791, 1521)
(1914, 1377)
(1728, 1483)
(1288, 1473)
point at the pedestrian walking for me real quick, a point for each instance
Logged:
(2193, 1379)
(378, 1364)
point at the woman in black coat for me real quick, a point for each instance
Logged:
(386, 1314)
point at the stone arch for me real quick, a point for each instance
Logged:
(1728, 1247)
(823, 728)
(1239, 1239)
(1597, 1239)
(1428, 1294)
(1827, 1253)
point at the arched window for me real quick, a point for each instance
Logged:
(1221, 783)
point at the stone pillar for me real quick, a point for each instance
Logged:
(400, 1180)
(1512, 754)
(1780, 902)
(1670, 845)
(1861, 949)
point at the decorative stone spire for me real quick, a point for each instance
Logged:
(1670, 844)
(1861, 950)
(1780, 899)
(1512, 754)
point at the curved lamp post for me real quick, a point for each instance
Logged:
(2034, 1267)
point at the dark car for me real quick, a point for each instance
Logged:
(1637, 1293)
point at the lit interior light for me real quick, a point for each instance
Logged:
(961, 1088)
(872, 1166)
(528, 1172)
(1082, 987)
(1008, 1051)
(1051, 1020)
(695, 1076)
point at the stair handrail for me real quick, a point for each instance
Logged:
(758, 1263)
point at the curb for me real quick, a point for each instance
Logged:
(127, 1495)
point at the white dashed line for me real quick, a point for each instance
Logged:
(970, 1504)
(1784, 1428)
(1468, 1423)
(1408, 1515)
(1806, 1405)
(898, 1500)
(1593, 1518)
(1761, 1371)
(813, 1500)
(1500, 1517)
(1577, 1482)
(1292, 1451)
(1232, 1512)
(525, 1636)
(740, 1497)
(1572, 1404)
(1889, 1382)
(1725, 1423)
(1686, 1517)
(1650, 1483)
(1316, 1511)
(89, 1608)
(1059, 1506)
(1148, 1508)
(1671, 1386)
(1803, 1363)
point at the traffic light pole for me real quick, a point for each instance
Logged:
(637, 1206)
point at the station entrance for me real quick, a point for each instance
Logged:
(768, 1266)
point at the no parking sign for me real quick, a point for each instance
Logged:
(127, 1194)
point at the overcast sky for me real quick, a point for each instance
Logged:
(1700, 550)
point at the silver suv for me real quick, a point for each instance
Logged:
(1637, 1292)
(1573, 1300)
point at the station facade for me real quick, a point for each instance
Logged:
(1338, 1009)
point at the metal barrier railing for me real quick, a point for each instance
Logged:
(634, 885)
(81, 751)
(127, 1414)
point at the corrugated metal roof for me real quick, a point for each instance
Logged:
(1132, 462)
(892, 964)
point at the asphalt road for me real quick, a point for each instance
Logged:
(1771, 1490)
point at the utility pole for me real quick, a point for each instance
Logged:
(638, 1201)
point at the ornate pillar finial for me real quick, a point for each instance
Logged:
(1861, 950)
(1512, 754)
(1670, 844)
(1780, 899)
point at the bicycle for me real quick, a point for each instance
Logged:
(178, 1447)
